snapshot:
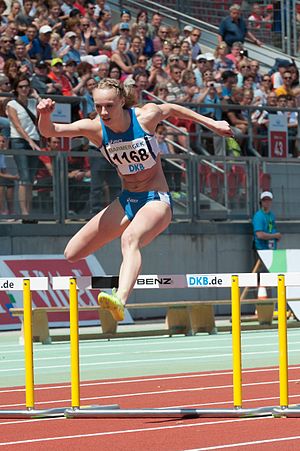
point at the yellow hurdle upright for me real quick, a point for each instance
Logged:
(236, 342)
(74, 342)
(28, 346)
(283, 346)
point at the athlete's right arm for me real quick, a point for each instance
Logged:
(91, 129)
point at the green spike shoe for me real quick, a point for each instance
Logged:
(112, 303)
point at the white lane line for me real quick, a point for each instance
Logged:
(114, 363)
(152, 393)
(128, 431)
(255, 442)
(150, 379)
(153, 351)
(222, 336)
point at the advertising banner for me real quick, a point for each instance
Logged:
(48, 266)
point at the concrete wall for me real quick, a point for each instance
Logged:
(212, 247)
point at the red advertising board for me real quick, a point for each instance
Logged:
(278, 136)
(47, 266)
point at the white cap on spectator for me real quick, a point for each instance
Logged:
(209, 56)
(45, 29)
(266, 194)
(188, 28)
(70, 34)
(202, 56)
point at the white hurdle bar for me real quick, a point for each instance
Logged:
(282, 281)
(178, 281)
(27, 285)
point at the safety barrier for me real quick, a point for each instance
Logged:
(234, 282)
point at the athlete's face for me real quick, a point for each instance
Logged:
(108, 104)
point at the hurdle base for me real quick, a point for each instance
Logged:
(74, 412)
(33, 413)
(289, 412)
(169, 413)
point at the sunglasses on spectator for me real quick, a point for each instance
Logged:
(266, 79)
(287, 78)
(142, 60)
(23, 86)
(163, 32)
(177, 72)
(196, 34)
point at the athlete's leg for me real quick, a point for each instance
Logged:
(107, 225)
(150, 221)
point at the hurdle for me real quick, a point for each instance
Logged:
(283, 281)
(73, 284)
(28, 285)
(233, 281)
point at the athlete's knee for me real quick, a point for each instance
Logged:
(70, 253)
(129, 240)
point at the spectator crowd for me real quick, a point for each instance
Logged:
(65, 47)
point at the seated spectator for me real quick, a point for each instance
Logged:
(174, 36)
(277, 79)
(165, 52)
(29, 40)
(41, 50)
(248, 82)
(161, 91)
(91, 40)
(21, 58)
(157, 73)
(247, 101)
(189, 85)
(101, 71)
(147, 43)
(121, 58)
(286, 87)
(68, 50)
(90, 85)
(11, 69)
(292, 122)
(154, 26)
(15, 9)
(236, 52)
(235, 117)
(141, 84)
(176, 90)
(200, 69)
(24, 18)
(114, 71)
(41, 82)
(254, 71)
(56, 44)
(261, 94)
(125, 17)
(141, 17)
(3, 18)
(124, 33)
(228, 81)
(187, 30)
(193, 40)
(160, 38)
(136, 50)
(221, 62)
(6, 53)
(243, 70)
(70, 71)
(54, 17)
(57, 75)
(105, 26)
(90, 14)
(7, 183)
(185, 56)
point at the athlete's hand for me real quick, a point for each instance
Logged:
(46, 106)
(223, 129)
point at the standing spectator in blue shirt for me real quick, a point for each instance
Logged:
(233, 28)
(265, 231)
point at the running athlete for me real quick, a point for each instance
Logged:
(125, 136)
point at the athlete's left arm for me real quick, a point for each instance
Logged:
(152, 114)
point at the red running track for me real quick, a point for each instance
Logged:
(208, 390)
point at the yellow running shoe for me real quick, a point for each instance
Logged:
(112, 303)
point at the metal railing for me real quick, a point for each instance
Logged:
(210, 187)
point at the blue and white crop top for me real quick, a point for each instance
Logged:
(132, 151)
